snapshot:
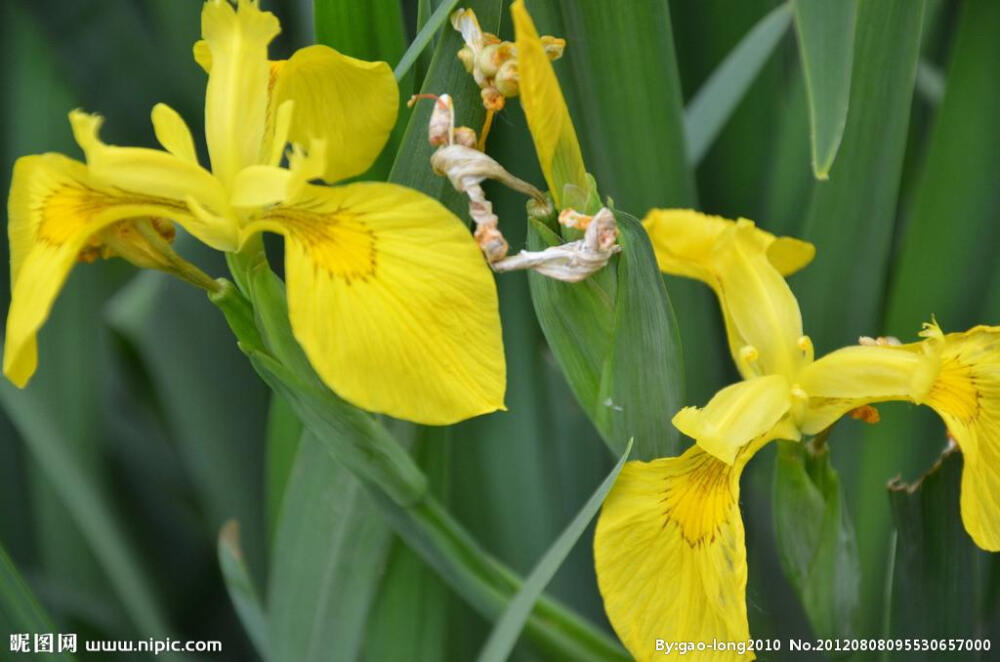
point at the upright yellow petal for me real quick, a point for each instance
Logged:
(152, 173)
(736, 415)
(391, 301)
(173, 133)
(684, 241)
(237, 94)
(547, 115)
(670, 556)
(761, 312)
(55, 209)
(349, 103)
(966, 394)
(744, 265)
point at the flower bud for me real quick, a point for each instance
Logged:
(507, 81)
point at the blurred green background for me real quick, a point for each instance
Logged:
(145, 430)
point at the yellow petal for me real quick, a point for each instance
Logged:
(349, 103)
(853, 376)
(237, 95)
(787, 254)
(736, 415)
(261, 185)
(670, 555)
(55, 208)
(202, 55)
(151, 173)
(761, 311)
(966, 394)
(392, 302)
(743, 266)
(173, 133)
(547, 115)
(683, 240)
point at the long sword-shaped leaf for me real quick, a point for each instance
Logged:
(215, 423)
(710, 108)
(826, 42)
(937, 580)
(329, 553)
(88, 506)
(371, 30)
(510, 624)
(947, 263)
(20, 611)
(434, 22)
(241, 588)
(615, 338)
(850, 218)
(815, 538)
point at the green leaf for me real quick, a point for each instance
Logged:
(487, 585)
(371, 30)
(815, 538)
(710, 108)
(616, 54)
(936, 585)
(20, 611)
(946, 264)
(415, 616)
(508, 627)
(284, 431)
(90, 508)
(215, 423)
(241, 588)
(826, 45)
(851, 217)
(957, 183)
(329, 555)
(353, 436)
(412, 166)
(615, 338)
(434, 22)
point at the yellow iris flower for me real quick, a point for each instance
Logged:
(387, 293)
(669, 548)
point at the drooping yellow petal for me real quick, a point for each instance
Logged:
(391, 301)
(736, 415)
(684, 240)
(853, 376)
(547, 115)
(670, 556)
(349, 103)
(55, 208)
(966, 394)
(239, 73)
(151, 173)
